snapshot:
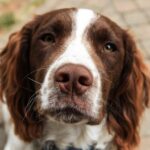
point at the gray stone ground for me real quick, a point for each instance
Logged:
(133, 15)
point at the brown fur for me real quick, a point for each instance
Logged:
(17, 89)
(129, 98)
(129, 93)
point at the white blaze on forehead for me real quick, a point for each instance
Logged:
(83, 19)
(76, 52)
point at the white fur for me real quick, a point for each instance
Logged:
(80, 136)
(13, 141)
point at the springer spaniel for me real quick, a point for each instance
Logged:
(74, 79)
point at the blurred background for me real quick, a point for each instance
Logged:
(133, 15)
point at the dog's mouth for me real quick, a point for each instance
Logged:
(72, 110)
(68, 115)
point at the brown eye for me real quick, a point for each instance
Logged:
(49, 38)
(109, 46)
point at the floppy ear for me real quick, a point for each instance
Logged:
(17, 89)
(130, 97)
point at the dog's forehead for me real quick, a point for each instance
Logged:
(77, 23)
(72, 16)
(83, 18)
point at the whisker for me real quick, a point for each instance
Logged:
(30, 104)
(42, 68)
(34, 81)
(31, 98)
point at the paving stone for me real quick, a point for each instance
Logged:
(118, 19)
(146, 45)
(143, 3)
(112, 14)
(135, 18)
(96, 4)
(145, 124)
(145, 143)
(147, 11)
(109, 11)
(47, 6)
(124, 5)
(142, 31)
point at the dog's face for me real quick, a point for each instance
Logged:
(78, 56)
(74, 66)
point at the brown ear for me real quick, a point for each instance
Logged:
(17, 89)
(130, 97)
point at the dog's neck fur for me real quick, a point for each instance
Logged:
(79, 136)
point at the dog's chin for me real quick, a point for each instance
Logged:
(67, 115)
(71, 110)
(70, 115)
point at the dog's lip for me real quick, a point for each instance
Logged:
(67, 115)
(67, 111)
(73, 107)
(71, 111)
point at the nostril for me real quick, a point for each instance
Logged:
(62, 77)
(65, 77)
(85, 81)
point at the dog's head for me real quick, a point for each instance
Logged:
(74, 66)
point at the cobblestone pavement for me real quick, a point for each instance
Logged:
(133, 15)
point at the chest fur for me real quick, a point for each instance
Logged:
(78, 136)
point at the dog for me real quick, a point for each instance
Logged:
(75, 78)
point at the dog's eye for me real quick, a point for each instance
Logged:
(110, 46)
(49, 38)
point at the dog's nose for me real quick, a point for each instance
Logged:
(73, 78)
